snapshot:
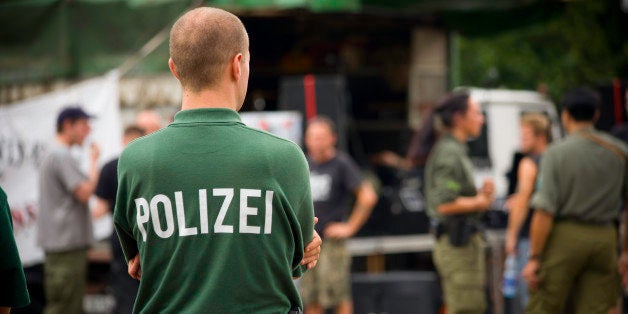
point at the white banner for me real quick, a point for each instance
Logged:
(286, 124)
(27, 128)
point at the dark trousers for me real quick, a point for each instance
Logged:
(123, 287)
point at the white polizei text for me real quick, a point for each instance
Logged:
(149, 213)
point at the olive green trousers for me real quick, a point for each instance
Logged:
(65, 275)
(578, 260)
(463, 275)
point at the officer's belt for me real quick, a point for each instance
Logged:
(585, 222)
(441, 229)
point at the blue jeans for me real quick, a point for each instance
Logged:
(523, 245)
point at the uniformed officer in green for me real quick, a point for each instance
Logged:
(573, 238)
(217, 214)
(13, 292)
(455, 205)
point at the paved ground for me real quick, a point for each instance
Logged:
(98, 303)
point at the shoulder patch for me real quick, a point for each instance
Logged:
(452, 185)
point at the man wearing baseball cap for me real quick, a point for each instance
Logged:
(64, 224)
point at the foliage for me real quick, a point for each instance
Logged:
(586, 45)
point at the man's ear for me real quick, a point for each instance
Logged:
(66, 125)
(565, 118)
(236, 66)
(172, 68)
(596, 115)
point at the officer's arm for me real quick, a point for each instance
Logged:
(123, 218)
(312, 250)
(542, 222)
(546, 203)
(465, 204)
(134, 268)
(447, 189)
(623, 260)
(625, 215)
(540, 228)
(288, 167)
(625, 212)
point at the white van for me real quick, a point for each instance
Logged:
(493, 152)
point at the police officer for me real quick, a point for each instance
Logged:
(454, 203)
(13, 292)
(573, 238)
(218, 215)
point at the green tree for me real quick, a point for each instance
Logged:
(586, 45)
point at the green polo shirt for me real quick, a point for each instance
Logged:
(13, 291)
(219, 212)
(582, 180)
(448, 174)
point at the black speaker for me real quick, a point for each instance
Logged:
(317, 94)
(396, 293)
(612, 105)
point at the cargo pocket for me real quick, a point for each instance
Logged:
(56, 281)
(466, 293)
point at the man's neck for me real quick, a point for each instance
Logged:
(208, 98)
(539, 148)
(64, 140)
(460, 135)
(324, 156)
(576, 126)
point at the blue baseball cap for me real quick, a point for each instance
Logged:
(73, 113)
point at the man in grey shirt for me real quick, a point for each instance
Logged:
(64, 222)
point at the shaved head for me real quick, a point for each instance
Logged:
(202, 43)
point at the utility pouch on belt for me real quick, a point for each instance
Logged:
(459, 228)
